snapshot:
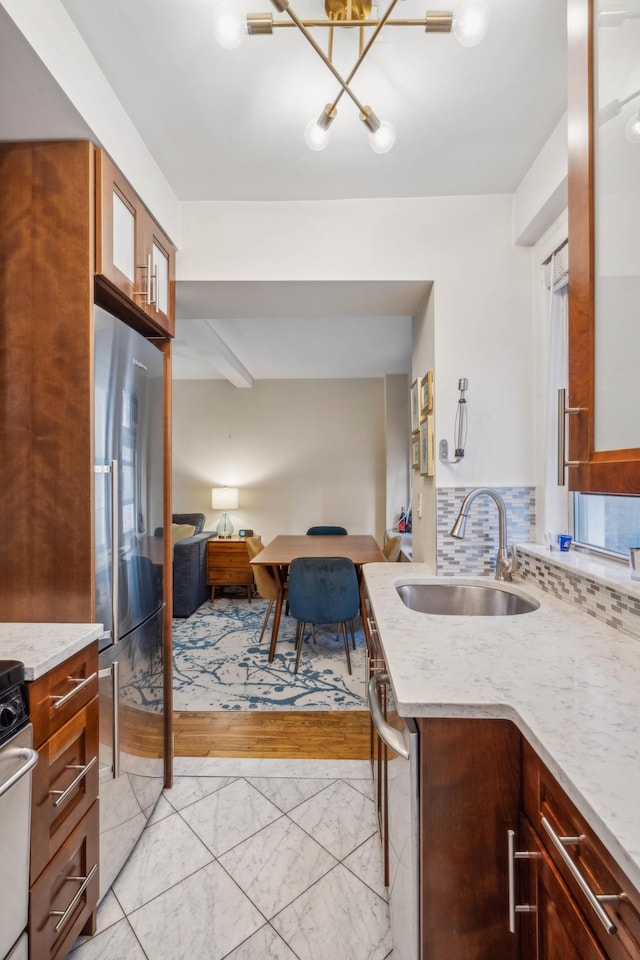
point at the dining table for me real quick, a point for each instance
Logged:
(283, 549)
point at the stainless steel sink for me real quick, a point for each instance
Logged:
(464, 599)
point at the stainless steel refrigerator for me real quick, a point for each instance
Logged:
(129, 494)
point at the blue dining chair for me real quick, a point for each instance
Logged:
(323, 590)
(326, 531)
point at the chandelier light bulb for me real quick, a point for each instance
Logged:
(471, 23)
(315, 136)
(382, 139)
(632, 128)
(229, 26)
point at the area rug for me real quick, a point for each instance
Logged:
(218, 665)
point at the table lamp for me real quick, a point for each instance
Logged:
(224, 498)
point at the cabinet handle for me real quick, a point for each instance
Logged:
(595, 900)
(393, 738)
(154, 288)
(65, 914)
(514, 855)
(146, 293)
(563, 410)
(84, 770)
(23, 753)
(81, 684)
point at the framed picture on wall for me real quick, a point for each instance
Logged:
(415, 451)
(415, 407)
(426, 394)
(426, 446)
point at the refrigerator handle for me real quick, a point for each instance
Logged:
(114, 672)
(115, 552)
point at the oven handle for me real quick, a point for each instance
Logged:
(396, 740)
(23, 753)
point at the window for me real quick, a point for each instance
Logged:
(610, 523)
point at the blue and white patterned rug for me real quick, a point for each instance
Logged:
(218, 665)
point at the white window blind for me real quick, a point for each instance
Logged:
(556, 269)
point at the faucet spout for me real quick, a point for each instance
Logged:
(506, 564)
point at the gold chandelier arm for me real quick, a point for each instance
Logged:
(363, 53)
(432, 23)
(283, 6)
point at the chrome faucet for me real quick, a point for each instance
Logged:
(506, 564)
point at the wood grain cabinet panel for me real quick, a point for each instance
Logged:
(133, 254)
(64, 806)
(57, 696)
(228, 565)
(62, 901)
(544, 797)
(470, 795)
(555, 929)
(65, 784)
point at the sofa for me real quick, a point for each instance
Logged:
(190, 588)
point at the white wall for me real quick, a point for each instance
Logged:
(300, 452)
(482, 288)
(49, 30)
(397, 452)
(424, 488)
(542, 195)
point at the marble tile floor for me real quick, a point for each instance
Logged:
(252, 860)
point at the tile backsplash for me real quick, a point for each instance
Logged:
(476, 554)
(610, 603)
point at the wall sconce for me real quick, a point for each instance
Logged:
(224, 498)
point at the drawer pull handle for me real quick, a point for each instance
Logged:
(595, 900)
(81, 684)
(514, 855)
(65, 914)
(84, 770)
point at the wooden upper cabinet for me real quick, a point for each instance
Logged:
(160, 254)
(132, 252)
(604, 338)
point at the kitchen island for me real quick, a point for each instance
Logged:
(569, 684)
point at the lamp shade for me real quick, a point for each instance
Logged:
(224, 498)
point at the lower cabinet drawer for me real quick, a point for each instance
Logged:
(64, 897)
(231, 574)
(65, 785)
(577, 851)
(55, 697)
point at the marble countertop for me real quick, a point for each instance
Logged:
(570, 683)
(42, 646)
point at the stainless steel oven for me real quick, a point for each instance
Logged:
(17, 759)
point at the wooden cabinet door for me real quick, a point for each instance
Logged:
(595, 469)
(159, 254)
(132, 252)
(119, 229)
(557, 929)
(469, 797)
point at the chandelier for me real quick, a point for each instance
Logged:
(468, 26)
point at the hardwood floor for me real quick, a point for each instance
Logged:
(315, 734)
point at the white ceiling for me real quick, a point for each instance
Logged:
(284, 330)
(229, 125)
